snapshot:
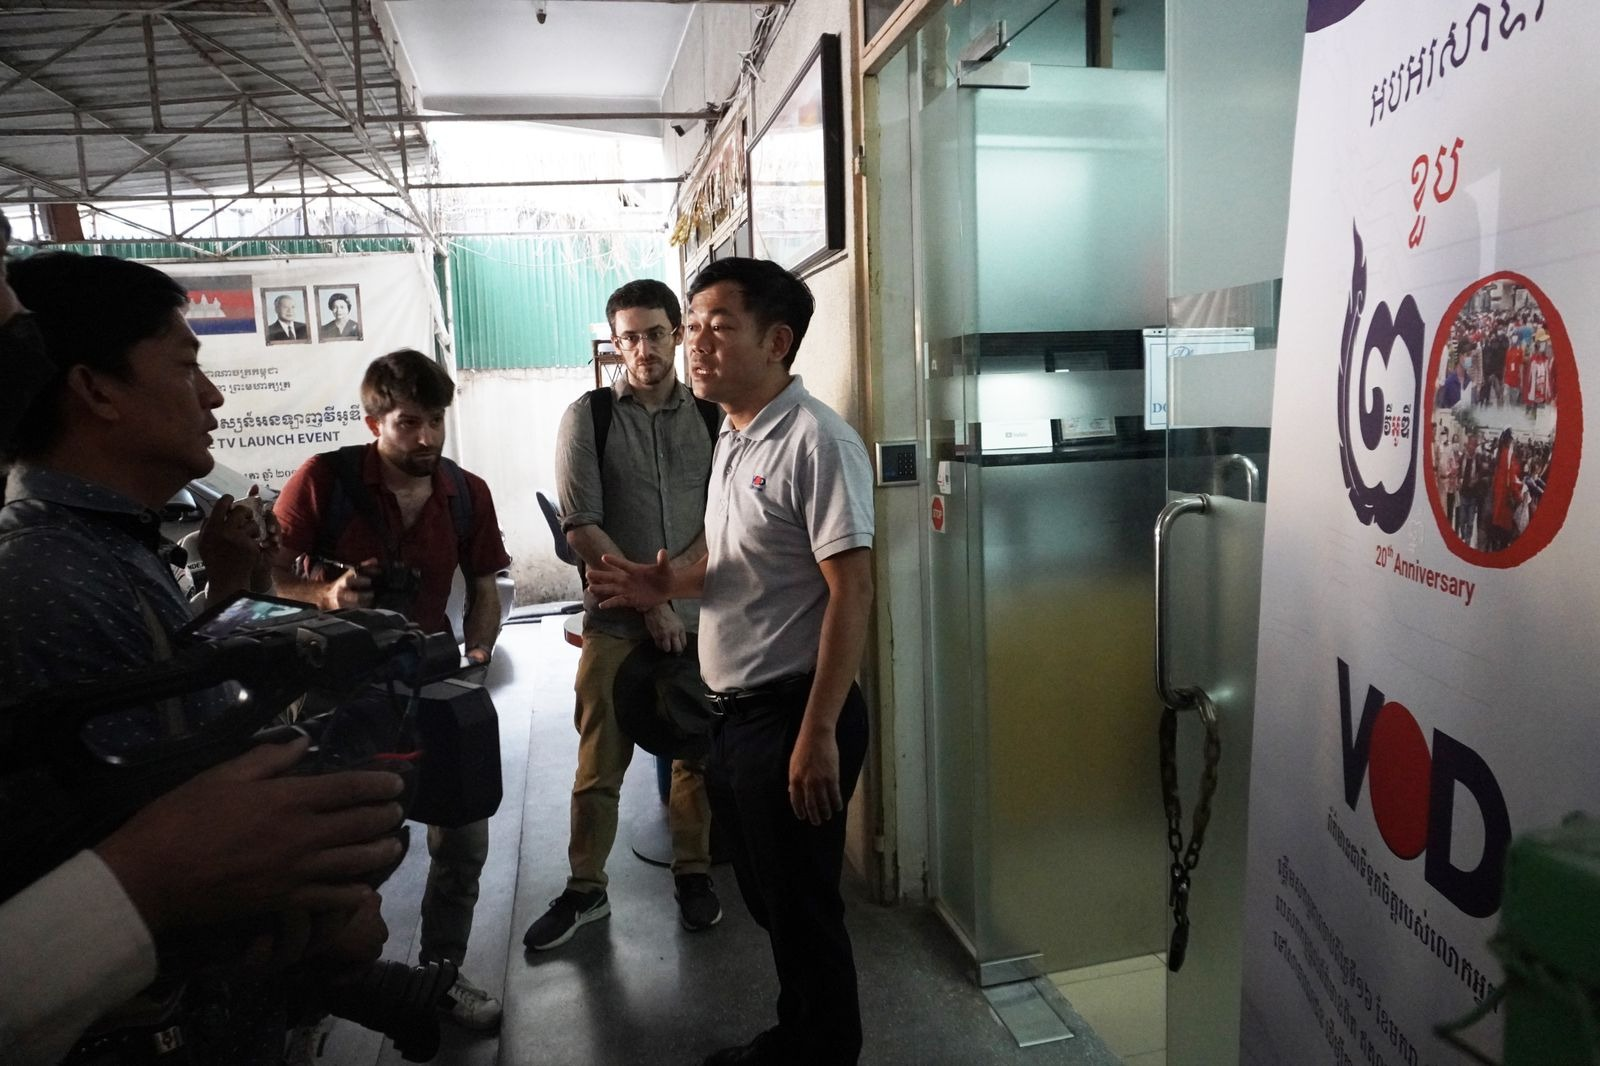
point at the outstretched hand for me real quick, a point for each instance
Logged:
(621, 583)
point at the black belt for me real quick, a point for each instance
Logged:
(744, 700)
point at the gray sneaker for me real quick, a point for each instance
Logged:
(469, 1006)
(567, 911)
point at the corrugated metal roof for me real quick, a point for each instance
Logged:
(60, 66)
(529, 301)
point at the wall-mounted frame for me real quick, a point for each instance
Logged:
(797, 168)
(713, 199)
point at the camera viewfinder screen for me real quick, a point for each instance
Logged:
(246, 612)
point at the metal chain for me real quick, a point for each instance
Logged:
(1185, 859)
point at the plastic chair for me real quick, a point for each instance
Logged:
(564, 550)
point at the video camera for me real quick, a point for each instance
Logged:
(377, 693)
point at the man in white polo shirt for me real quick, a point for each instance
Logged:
(786, 593)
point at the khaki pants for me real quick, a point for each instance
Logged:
(604, 752)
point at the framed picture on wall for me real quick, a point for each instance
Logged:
(339, 312)
(284, 312)
(797, 168)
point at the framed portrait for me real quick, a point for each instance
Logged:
(797, 168)
(284, 312)
(338, 313)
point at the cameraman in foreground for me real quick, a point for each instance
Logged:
(117, 421)
(387, 524)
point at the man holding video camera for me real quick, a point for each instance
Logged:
(104, 414)
(388, 524)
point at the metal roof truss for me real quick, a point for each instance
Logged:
(108, 101)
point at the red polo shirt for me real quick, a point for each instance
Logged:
(429, 545)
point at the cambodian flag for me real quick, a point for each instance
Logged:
(220, 303)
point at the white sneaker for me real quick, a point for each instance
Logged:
(469, 1006)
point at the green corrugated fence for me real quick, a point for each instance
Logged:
(528, 301)
(274, 248)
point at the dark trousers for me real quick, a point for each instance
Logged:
(788, 869)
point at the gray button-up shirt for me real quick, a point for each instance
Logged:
(651, 493)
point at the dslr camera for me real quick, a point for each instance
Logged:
(395, 586)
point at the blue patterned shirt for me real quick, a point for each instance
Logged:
(81, 581)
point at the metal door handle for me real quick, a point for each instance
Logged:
(1189, 695)
(1252, 473)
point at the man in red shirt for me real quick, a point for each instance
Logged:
(402, 519)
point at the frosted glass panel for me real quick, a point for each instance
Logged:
(942, 195)
(1235, 72)
(1071, 201)
(1216, 565)
(1076, 865)
(1084, 394)
(1224, 389)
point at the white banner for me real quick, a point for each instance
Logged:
(1429, 594)
(287, 341)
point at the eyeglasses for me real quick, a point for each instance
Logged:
(629, 341)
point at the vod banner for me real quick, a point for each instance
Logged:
(1426, 677)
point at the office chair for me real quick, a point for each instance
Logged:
(564, 550)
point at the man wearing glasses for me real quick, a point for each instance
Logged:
(632, 463)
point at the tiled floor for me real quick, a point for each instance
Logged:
(1125, 1002)
(636, 990)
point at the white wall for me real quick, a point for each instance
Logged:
(505, 432)
(707, 70)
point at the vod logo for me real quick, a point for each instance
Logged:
(1413, 795)
(1377, 414)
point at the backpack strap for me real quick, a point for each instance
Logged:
(461, 517)
(712, 414)
(600, 401)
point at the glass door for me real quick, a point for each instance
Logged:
(1039, 208)
(1219, 352)
(1233, 73)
